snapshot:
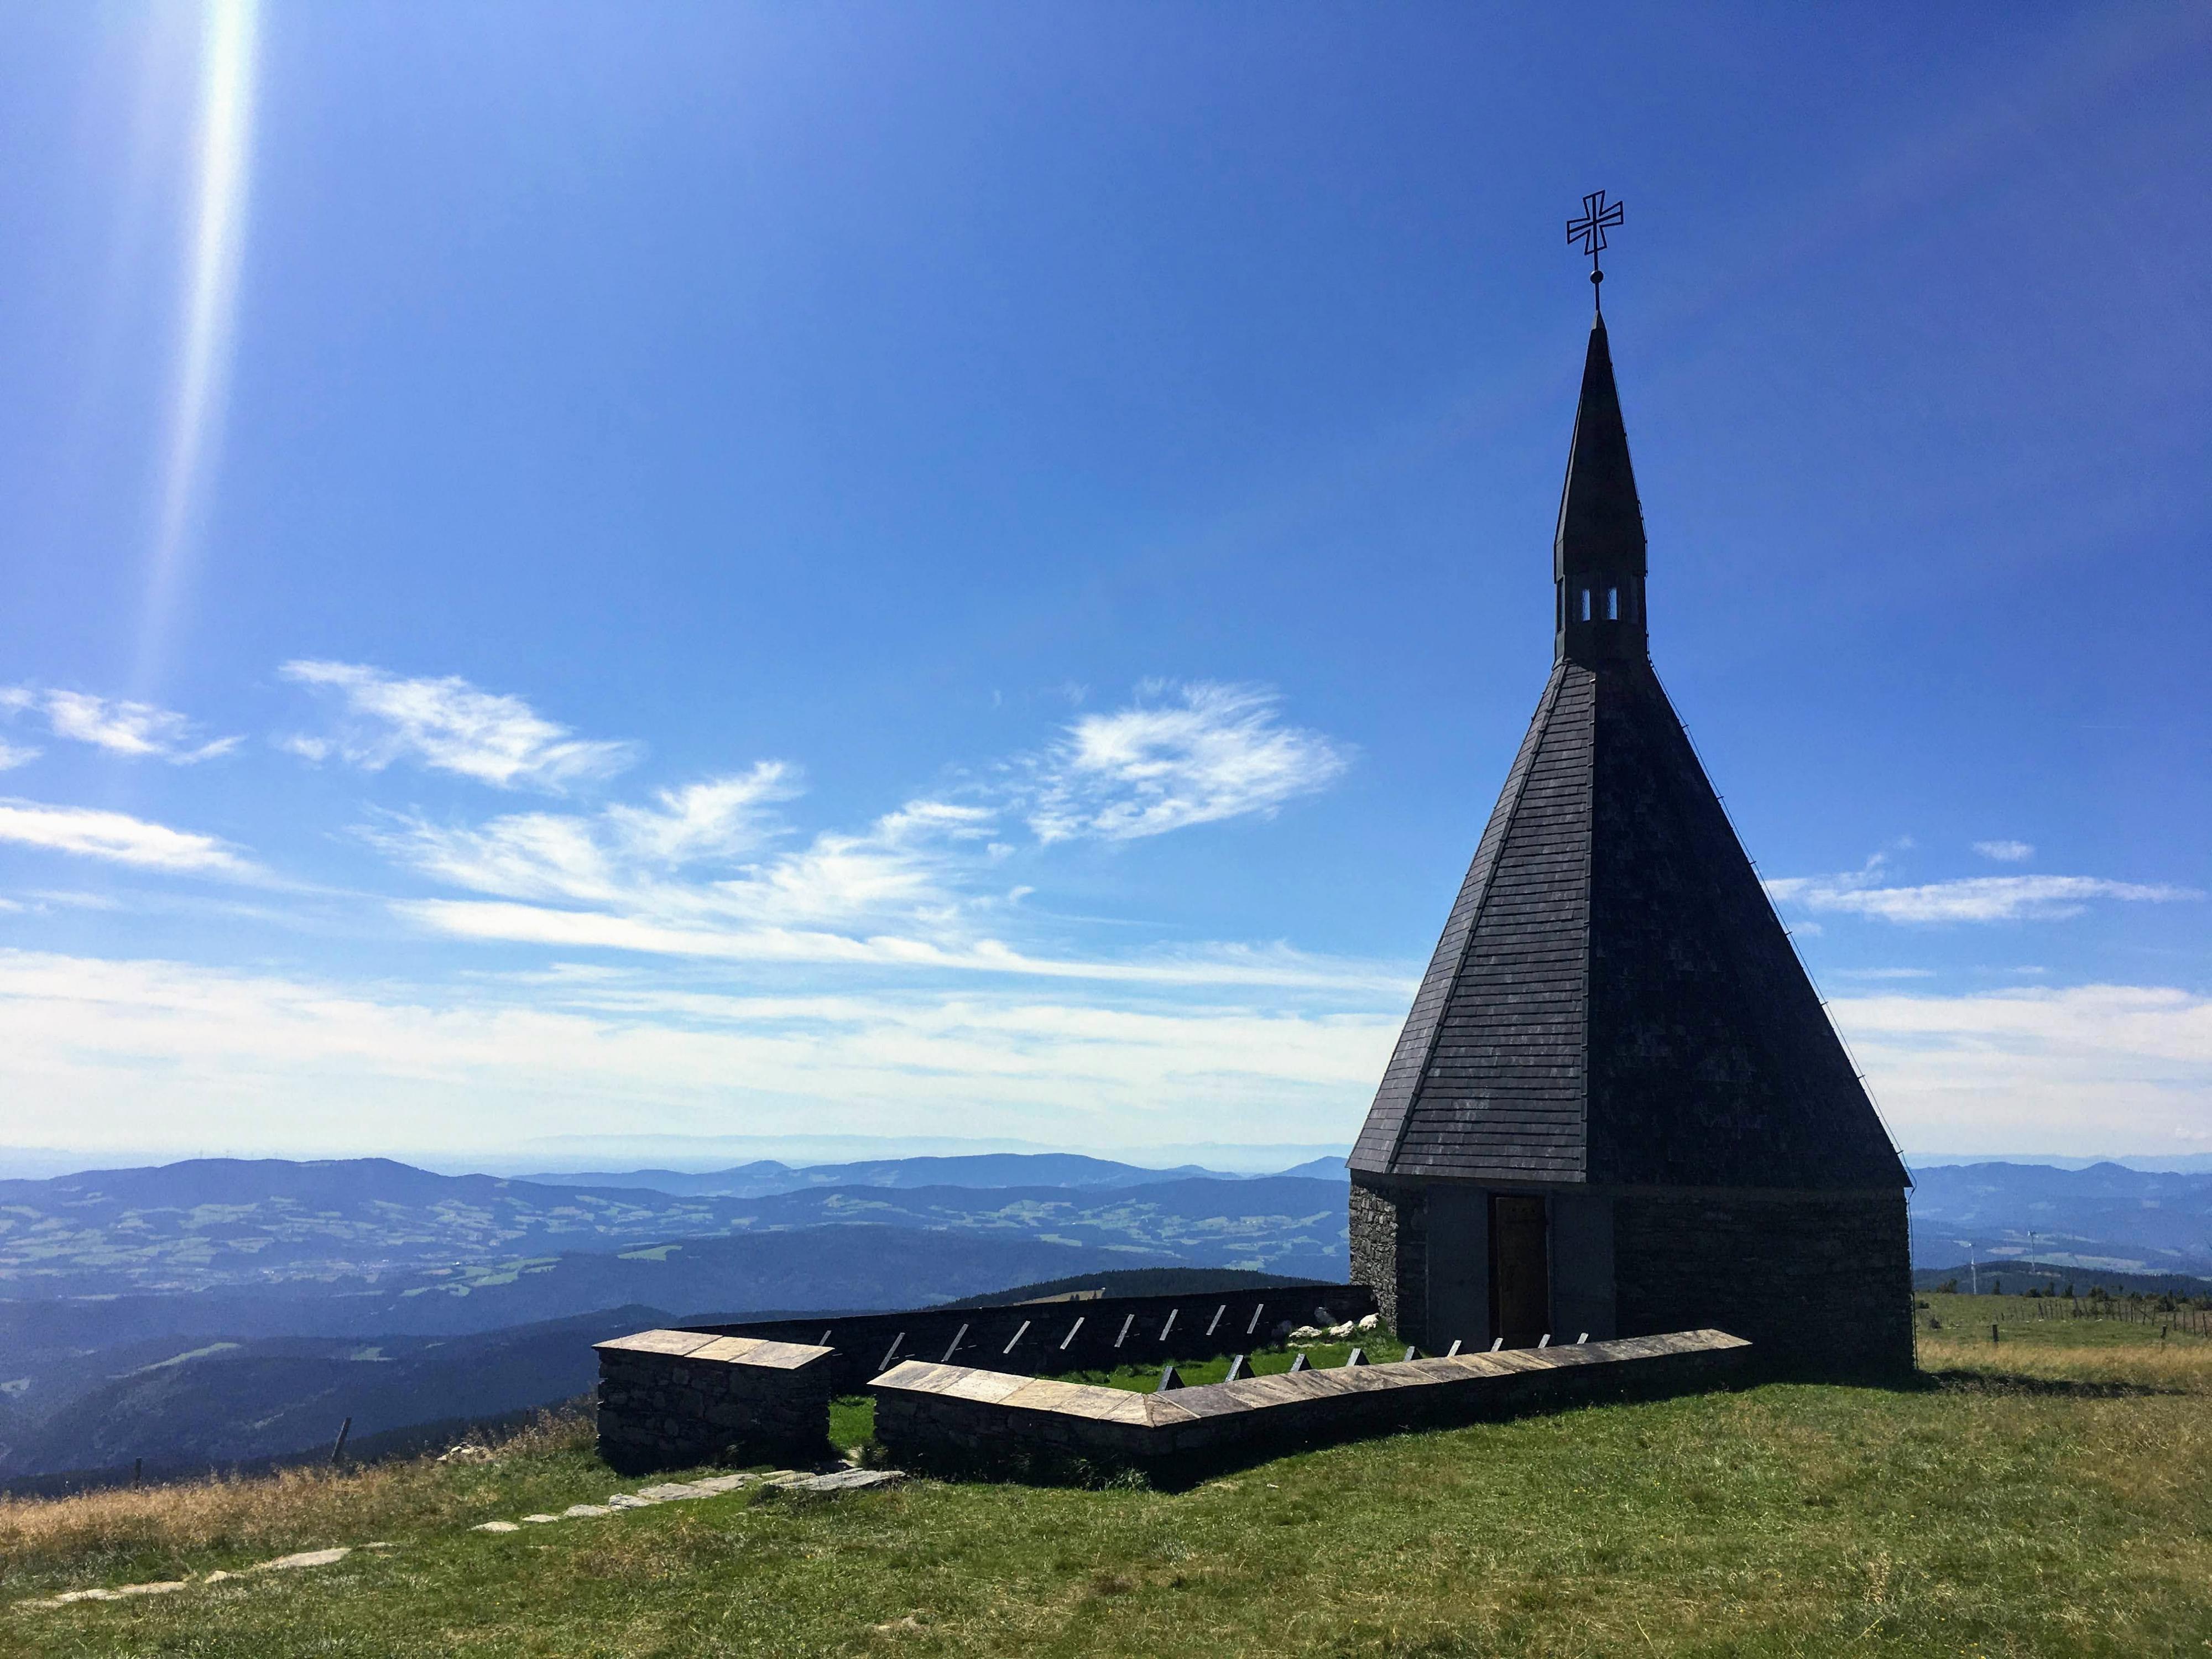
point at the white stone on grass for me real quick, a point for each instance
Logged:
(304, 1558)
(121, 1592)
(849, 1480)
(496, 1526)
(587, 1509)
(722, 1483)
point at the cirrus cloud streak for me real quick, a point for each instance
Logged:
(1974, 898)
(2090, 1069)
(135, 731)
(1193, 754)
(118, 838)
(449, 726)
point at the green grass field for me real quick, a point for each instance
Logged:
(2049, 1494)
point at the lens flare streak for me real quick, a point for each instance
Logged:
(217, 240)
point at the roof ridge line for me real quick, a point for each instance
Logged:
(1720, 800)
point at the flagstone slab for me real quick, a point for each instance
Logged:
(676, 1343)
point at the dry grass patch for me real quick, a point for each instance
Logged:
(160, 1531)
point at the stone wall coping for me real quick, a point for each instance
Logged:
(1086, 1400)
(675, 1343)
(703, 1345)
(1257, 1393)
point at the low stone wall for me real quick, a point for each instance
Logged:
(676, 1399)
(1098, 1333)
(925, 1411)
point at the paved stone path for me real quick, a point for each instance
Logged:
(646, 1498)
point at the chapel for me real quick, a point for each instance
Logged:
(1618, 1106)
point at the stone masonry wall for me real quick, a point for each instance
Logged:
(1390, 1256)
(926, 1412)
(1820, 1282)
(662, 1406)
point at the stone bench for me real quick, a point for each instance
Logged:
(924, 1410)
(676, 1399)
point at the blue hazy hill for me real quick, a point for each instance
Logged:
(2107, 1215)
(766, 1176)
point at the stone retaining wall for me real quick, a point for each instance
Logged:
(677, 1398)
(1098, 1334)
(925, 1411)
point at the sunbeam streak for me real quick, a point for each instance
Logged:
(217, 233)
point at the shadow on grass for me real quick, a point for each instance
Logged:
(1003, 1462)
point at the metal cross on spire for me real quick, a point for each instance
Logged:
(1589, 230)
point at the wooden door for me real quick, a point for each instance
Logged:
(1520, 1269)
(1459, 1271)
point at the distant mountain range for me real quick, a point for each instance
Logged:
(2181, 1163)
(207, 1223)
(133, 1302)
(2104, 1216)
(767, 1177)
(83, 1379)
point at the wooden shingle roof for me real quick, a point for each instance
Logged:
(1613, 999)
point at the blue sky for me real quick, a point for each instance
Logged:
(581, 584)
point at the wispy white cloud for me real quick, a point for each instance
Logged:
(572, 929)
(698, 873)
(87, 832)
(721, 817)
(87, 1043)
(2005, 852)
(683, 860)
(138, 731)
(1973, 898)
(14, 755)
(2092, 1068)
(1182, 755)
(452, 726)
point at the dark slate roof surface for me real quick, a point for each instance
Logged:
(1378, 1137)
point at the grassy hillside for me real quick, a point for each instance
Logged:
(2050, 1494)
(238, 1402)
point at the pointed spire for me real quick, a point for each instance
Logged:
(1598, 552)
